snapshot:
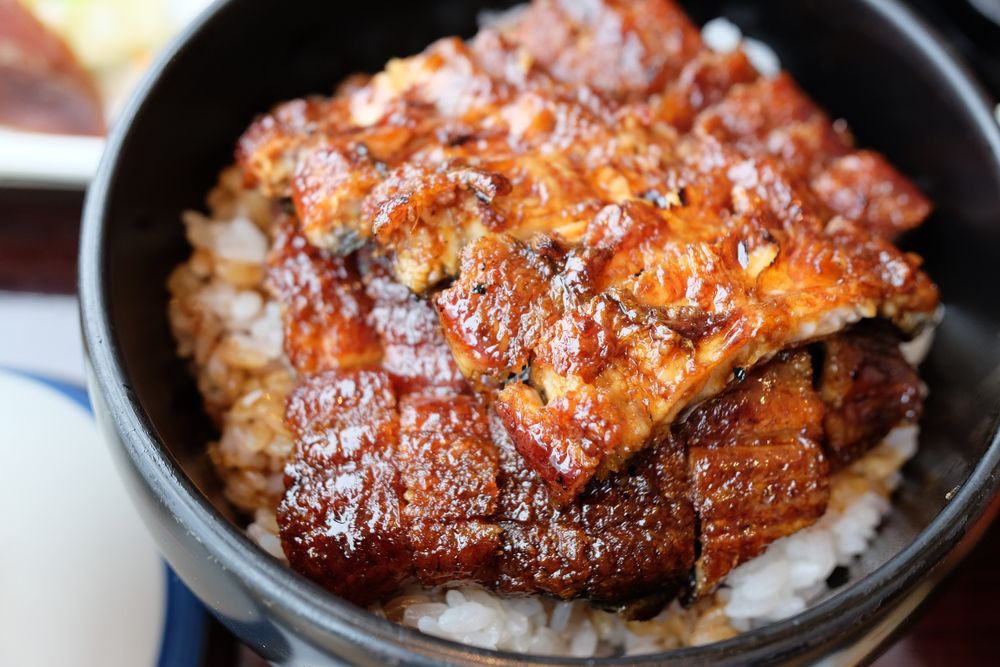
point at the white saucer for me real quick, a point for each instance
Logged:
(81, 582)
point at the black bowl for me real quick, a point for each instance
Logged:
(870, 61)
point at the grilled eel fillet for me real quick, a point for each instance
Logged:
(627, 217)
(400, 470)
(499, 136)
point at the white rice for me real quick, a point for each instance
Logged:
(723, 36)
(916, 350)
(229, 327)
(501, 19)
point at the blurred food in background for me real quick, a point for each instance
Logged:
(66, 66)
(42, 85)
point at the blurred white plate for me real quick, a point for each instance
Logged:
(33, 159)
(81, 582)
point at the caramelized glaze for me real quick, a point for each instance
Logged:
(571, 305)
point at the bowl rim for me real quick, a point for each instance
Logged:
(265, 577)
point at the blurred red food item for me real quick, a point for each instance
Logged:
(42, 86)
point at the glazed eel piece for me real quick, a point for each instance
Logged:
(669, 217)
(401, 472)
(534, 129)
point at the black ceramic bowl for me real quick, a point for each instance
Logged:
(870, 61)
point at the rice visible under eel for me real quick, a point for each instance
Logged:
(227, 324)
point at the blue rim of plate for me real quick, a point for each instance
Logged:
(185, 620)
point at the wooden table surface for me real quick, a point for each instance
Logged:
(960, 625)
